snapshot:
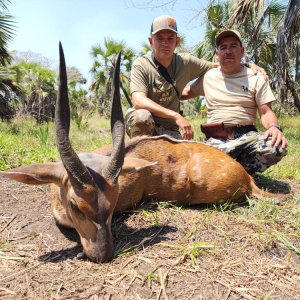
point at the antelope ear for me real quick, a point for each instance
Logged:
(37, 173)
(136, 164)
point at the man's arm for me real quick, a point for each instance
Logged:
(141, 101)
(194, 90)
(255, 68)
(270, 122)
(189, 92)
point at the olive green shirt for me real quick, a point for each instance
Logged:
(145, 77)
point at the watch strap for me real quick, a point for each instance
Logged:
(276, 126)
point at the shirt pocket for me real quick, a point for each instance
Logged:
(162, 86)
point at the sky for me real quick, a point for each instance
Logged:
(80, 25)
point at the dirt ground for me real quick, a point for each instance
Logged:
(162, 252)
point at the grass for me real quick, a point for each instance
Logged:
(23, 141)
(259, 228)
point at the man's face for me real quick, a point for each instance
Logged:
(230, 52)
(163, 44)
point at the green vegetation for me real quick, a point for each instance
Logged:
(240, 251)
(289, 167)
(23, 141)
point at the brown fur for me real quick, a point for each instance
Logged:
(185, 173)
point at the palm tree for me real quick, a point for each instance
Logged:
(37, 90)
(273, 39)
(287, 47)
(6, 32)
(7, 86)
(216, 16)
(146, 49)
(81, 104)
(9, 91)
(103, 67)
(260, 22)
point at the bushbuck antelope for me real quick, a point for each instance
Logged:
(183, 172)
(87, 189)
(84, 188)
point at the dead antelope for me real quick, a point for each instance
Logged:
(88, 188)
(84, 188)
(183, 172)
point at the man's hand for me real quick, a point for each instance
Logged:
(256, 69)
(278, 139)
(185, 126)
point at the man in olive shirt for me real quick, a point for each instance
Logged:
(156, 99)
(234, 95)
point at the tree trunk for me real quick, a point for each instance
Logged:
(297, 74)
(290, 86)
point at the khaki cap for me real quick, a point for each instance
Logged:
(163, 22)
(225, 33)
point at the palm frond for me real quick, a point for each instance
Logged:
(7, 28)
(274, 9)
(243, 9)
(3, 4)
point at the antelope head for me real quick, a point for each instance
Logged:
(85, 186)
(90, 187)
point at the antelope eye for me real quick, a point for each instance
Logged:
(75, 207)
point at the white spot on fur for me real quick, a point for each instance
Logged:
(228, 191)
(61, 219)
(138, 168)
(207, 160)
(224, 174)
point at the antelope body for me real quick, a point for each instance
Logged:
(87, 189)
(182, 172)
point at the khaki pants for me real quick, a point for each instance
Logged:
(140, 122)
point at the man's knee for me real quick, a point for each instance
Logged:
(139, 122)
(260, 162)
(264, 156)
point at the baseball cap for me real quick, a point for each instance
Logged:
(228, 32)
(163, 22)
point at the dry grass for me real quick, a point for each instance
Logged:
(162, 251)
(226, 252)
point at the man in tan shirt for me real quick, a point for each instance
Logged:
(234, 95)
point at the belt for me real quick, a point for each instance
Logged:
(222, 131)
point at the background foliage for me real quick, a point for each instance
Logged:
(270, 30)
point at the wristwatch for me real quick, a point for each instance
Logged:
(276, 126)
